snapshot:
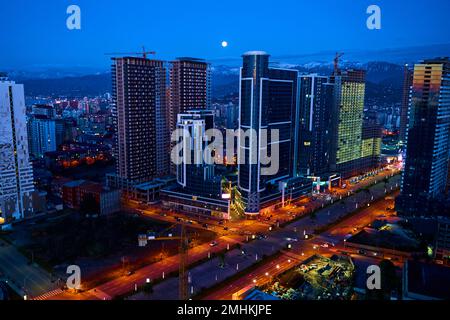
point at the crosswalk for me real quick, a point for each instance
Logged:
(49, 294)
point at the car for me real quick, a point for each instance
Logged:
(129, 273)
(190, 222)
(205, 225)
(225, 228)
(213, 244)
(362, 252)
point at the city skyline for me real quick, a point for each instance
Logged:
(245, 150)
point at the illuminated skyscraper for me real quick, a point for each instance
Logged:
(16, 173)
(427, 151)
(142, 137)
(267, 101)
(407, 83)
(347, 126)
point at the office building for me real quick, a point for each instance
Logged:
(425, 174)
(16, 173)
(268, 100)
(41, 135)
(371, 145)
(347, 124)
(406, 91)
(194, 175)
(315, 134)
(198, 190)
(139, 93)
(43, 110)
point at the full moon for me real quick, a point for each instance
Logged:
(224, 44)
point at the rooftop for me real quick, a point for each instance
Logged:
(256, 53)
(430, 280)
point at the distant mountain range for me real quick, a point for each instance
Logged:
(80, 86)
(384, 74)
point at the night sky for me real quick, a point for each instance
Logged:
(34, 33)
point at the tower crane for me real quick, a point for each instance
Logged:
(144, 53)
(183, 248)
(337, 57)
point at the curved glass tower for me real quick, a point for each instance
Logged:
(252, 117)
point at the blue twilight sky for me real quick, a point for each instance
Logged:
(34, 33)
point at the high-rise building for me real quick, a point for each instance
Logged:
(16, 173)
(371, 144)
(268, 100)
(315, 134)
(44, 110)
(189, 87)
(142, 138)
(425, 174)
(194, 174)
(348, 121)
(41, 135)
(64, 130)
(406, 90)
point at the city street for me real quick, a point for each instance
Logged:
(29, 279)
(303, 250)
(205, 275)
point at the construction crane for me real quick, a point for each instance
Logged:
(336, 62)
(183, 289)
(144, 53)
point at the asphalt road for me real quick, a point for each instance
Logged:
(207, 274)
(30, 279)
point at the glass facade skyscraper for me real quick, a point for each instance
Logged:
(427, 151)
(348, 121)
(268, 100)
(315, 134)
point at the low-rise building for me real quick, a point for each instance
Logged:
(425, 281)
(74, 192)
